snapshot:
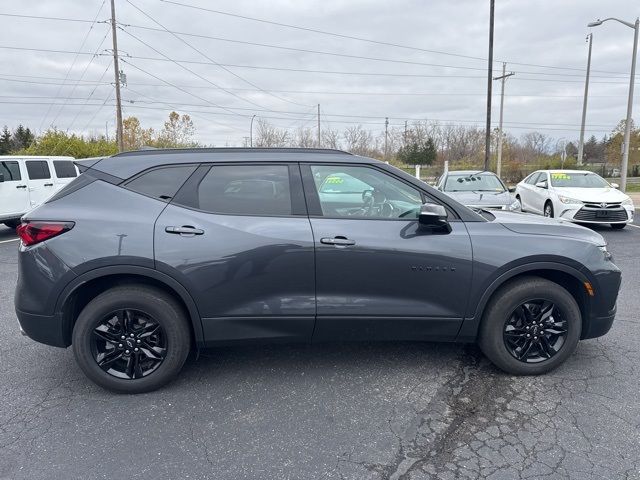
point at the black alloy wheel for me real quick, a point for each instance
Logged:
(535, 331)
(128, 344)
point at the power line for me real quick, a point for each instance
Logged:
(37, 17)
(368, 40)
(178, 37)
(74, 60)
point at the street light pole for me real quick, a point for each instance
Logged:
(627, 129)
(251, 132)
(584, 103)
(487, 133)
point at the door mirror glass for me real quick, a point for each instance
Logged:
(613, 185)
(542, 184)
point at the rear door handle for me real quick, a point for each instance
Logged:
(339, 240)
(184, 230)
(48, 184)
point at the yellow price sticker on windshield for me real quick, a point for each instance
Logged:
(560, 176)
(334, 180)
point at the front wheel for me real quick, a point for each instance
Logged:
(131, 339)
(548, 209)
(531, 326)
(618, 226)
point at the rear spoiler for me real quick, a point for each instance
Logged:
(86, 163)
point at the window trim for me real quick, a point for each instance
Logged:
(313, 199)
(296, 192)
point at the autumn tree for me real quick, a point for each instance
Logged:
(134, 136)
(178, 131)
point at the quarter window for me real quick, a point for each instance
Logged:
(64, 169)
(245, 190)
(11, 171)
(161, 183)
(363, 192)
(38, 169)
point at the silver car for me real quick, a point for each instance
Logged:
(478, 189)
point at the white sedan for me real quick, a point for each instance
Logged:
(575, 195)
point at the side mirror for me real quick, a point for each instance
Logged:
(511, 189)
(613, 185)
(1, 177)
(433, 215)
(542, 184)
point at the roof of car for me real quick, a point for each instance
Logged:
(468, 172)
(126, 164)
(567, 171)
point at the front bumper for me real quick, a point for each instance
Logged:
(590, 215)
(598, 326)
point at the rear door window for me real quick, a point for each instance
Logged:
(64, 169)
(10, 170)
(245, 190)
(38, 169)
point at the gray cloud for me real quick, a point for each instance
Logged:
(537, 32)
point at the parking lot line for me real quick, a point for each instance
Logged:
(632, 225)
(10, 240)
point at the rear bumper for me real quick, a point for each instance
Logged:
(45, 329)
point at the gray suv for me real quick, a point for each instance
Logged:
(150, 255)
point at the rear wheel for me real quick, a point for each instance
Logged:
(12, 223)
(131, 339)
(618, 226)
(548, 209)
(530, 326)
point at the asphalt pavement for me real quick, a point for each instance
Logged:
(352, 411)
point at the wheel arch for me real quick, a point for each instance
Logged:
(568, 277)
(85, 287)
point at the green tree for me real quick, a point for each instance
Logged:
(5, 141)
(22, 138)
(56, 142)
(418, 152)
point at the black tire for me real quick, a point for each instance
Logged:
(149, 303)
(548, 209)
(502, 307)
(12, 223)
(618, 226)
(520, 200)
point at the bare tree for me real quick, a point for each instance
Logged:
(359, 141)
(331, 139)
(305, 138)
(270, 136)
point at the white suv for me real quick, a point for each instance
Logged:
(26, 182)
(575, 195)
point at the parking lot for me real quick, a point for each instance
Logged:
(354, 411)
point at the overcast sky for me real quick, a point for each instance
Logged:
(276, 83)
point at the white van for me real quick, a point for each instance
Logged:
(26, 182)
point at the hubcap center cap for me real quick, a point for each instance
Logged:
(131, 342)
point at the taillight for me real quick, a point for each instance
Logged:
(35, 232)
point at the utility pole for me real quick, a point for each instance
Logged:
(319, 146)
(503, 77)
(116, 70)
(405, 132)
(584, 102)
(386, 136)
(487, 138)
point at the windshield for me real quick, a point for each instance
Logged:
(580, 180)
(479, 182)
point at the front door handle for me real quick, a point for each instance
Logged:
(184, 230)
(48, 184)
(339, 240)
(21, 186)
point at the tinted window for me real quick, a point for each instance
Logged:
(161, 183)
(64, 169)
(38, 169)
(346, 191)
(11, 171)
(245, 190)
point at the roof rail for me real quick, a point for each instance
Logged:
(147, 150)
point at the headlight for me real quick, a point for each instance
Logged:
(515, 205)
(606, 253)
(627, 201)
(564, 199)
